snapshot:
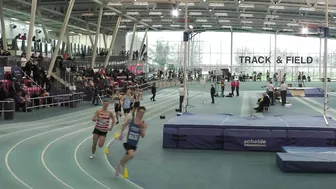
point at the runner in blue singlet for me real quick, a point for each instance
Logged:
(137, 128)
(127, 103)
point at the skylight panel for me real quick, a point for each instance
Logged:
(132, 13)
(113, 4)
(109, 13)
(140, 3)
(276, 7)
(201, 20)
(246, 5)
(195, 13)
(246, 27)
(246, 15)
(216, 5)
(155, 13)
(221, 14)
(223, 21)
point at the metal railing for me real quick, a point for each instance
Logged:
(56, 100)
(3, 110)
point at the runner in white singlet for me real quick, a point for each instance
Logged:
(102, 118)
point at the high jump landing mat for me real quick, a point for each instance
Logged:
(227, 132)
(307, 159)
(305, 92)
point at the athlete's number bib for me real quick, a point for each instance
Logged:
(117, 101)
(127, 103)
(133, 136)
(102, 122)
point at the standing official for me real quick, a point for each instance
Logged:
(181, 93)
(283, 93)
(153, 92)
(212, 93)
(270, 92)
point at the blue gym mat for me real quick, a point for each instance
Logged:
(300, 149)
(225, 121)
(227, 132)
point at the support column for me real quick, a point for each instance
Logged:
(320, 59)
(60, 40)
(275, 52)
(31, 29)
(3, 27)
(115, 32)
(325, 58)
(142, 44)
(147, 67)
(44, 28)
(231, 63)
(94, 50)
(130, 55)
(105, 42)
(69, 47)
(89, 34)
(186, 39)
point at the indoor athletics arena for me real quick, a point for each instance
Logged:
(123, 94)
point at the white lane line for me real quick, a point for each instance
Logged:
(42, 127)
(24, 140)
(77, 148)
(45, 150)
(81, 168)
(71, 115)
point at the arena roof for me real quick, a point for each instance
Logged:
(262, 16)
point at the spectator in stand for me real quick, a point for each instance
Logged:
(24, 37)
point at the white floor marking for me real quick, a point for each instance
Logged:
(42, 127)
(46, 148)
(77, 148)
(24, 140)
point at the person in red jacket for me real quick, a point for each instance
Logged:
(237, 87)
(233, 86)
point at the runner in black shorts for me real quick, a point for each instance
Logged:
(137, 97)
(127, 103)
(117, 105)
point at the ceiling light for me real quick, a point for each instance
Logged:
(146, 20)
(14, 19)
(276, 7)
(132, 13)
(247, 22)
(246, 15)
(195, 13)
(246, 27)
(155, 13)
(201, 20)
(175, 13)
(311, 9)
(87, 14)
(157, 26)
(166, 20)
(221, 14)
(227, 27)
(246, 5)
(288, 30)
(126, 20)
(113, 4)
(140, 3)
(189, 4)
(109, 13)
(272, 16)
(269, 23)
(206, 26)
(175, 26)
(292, 24)
(191, 27)
(122, 26)
(216, 5)
(223, 21)
(140, 26)
(266, 28)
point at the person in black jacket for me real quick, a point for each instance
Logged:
(212, 93)
(153, 92)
